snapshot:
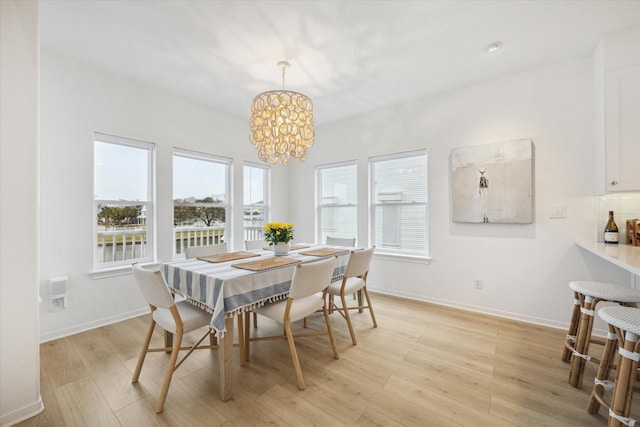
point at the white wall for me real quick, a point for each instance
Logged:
(78, 100)
(525, 269)
(19, 350)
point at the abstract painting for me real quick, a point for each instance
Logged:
(493, 183)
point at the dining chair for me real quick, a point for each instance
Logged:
(354, 280)
(304, 298)
(250, 245)
(179, 318)
(198, 251)
(339, 241)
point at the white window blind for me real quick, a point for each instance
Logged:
(399, 206)
(337, 189)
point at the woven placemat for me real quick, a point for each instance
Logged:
(324, 252)
(266, 264)
(293, 248)
(228, 256)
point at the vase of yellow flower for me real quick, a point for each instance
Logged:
(279, 235)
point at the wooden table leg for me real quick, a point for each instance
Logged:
(168, 340)
(226, 361)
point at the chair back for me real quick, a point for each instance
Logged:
(311, 278)
(250, 245)
(339, 241)
(359, 262)
(153, 286)
(198, 251)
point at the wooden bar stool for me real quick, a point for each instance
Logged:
(624, 325)
(586, 296)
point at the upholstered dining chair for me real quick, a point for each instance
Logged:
(304, 298)
(178, 318)
(198, 251)
(339, 241)
(354, 280)
(250, 245)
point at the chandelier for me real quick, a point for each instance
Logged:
(281, 124)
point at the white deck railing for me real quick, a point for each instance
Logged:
(127, 245)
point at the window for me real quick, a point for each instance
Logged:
(200, 200)
(256, 200)
(399, 203)
(123, 201)
(337, 202)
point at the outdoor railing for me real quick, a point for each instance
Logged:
(128, 245)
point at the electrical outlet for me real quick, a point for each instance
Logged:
(478, 283)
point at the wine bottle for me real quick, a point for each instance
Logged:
(611, 230)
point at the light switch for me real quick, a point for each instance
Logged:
(557, 212)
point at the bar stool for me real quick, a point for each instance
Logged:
(586, 296)
(624, 330)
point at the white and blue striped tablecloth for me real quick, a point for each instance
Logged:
(224, 290)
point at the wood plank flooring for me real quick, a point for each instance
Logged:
(425, 365)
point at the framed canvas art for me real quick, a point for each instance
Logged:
(493, 183)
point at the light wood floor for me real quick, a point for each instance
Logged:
(424, 365)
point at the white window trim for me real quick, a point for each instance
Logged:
(104, 270)
(318, 191)
(228, 205)
(266, 187)
(384, 253)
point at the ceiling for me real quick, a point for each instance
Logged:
(350, 57)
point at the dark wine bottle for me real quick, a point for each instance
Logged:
(611, 230)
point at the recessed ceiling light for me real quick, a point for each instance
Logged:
(493, 47)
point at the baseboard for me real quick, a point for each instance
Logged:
(476, 309)
(61, 333)
(22, 414)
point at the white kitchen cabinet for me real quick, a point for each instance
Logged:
(622, 124)
(617, 112)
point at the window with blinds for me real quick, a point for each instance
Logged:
(337, 190)
(399, 203)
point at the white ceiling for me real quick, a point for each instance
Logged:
(350, 57)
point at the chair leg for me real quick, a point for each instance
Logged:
(373, 316)
(573, 330)
(255, 320)
(625, 381)
(143, 352)
(601, 380)
(294, 355)
(332, 339)
(167, 379)
(346, 316)
(213, 339)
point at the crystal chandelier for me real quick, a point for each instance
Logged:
(281, 124)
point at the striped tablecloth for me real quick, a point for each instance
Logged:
(224, 290)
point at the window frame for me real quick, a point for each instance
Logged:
(150, 204)
(319, 205)
(266, 191)
(228, 206)
(386, 251)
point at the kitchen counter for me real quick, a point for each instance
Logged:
(624, 256)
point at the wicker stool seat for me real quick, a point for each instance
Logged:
(586, 296)
(624, 330)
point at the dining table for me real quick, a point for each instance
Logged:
(226, 285)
